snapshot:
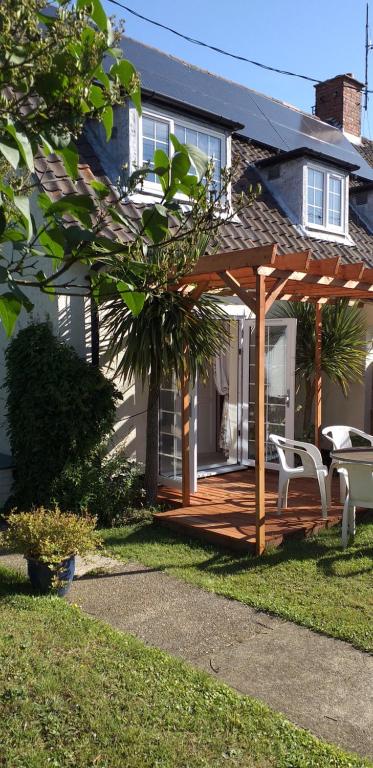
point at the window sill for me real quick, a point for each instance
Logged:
(328, 235)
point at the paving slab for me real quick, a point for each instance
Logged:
(319, 683)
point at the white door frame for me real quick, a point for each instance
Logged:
(291, 332)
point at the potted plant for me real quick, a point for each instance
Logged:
(49, 540)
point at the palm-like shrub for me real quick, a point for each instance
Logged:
(343, 346)
(172, 335)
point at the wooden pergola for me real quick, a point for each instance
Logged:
(259, 276)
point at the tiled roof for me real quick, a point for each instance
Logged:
(261, 223)
(366, 150)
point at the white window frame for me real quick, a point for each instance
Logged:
(157, 114)
(328, 174)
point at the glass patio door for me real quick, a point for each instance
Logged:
(170, 453)
(280, 340)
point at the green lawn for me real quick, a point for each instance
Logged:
(76, 694)
(313, 582)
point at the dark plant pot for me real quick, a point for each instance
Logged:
(41, 576)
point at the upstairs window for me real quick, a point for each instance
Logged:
(155, 135)
(156, 130)
(325, 199)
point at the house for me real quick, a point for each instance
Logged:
(316, 174)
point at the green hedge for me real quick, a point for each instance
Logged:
(60, 409)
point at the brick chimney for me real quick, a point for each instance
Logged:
(338, 101)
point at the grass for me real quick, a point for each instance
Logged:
(313, 582)
(76, 694)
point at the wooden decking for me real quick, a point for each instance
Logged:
(223, 510)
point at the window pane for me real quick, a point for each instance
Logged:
(180, 133)
(335, 201)
(191, 137)
(148, 128)
(161, 132)
(215, 146)
(148, 150)
(203, 143)
(315, 197)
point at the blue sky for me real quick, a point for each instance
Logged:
(319, 38)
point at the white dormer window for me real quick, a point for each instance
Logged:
(326, 199)
(155, 130)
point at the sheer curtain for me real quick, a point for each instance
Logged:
(221, 378)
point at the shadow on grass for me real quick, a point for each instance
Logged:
(13, 583)
(325, 549)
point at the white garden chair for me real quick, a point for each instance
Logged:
(360, 494)
(340, 437)
(311, 466)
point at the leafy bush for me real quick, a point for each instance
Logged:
(50, 535)
(59, 408)
(111, 488)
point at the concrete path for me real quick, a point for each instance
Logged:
(319, 683)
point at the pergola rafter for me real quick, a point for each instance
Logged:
(259, 276)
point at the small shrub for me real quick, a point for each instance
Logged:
(59, 409)
(49, 535)
(111, 488)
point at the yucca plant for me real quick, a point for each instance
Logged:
(343, 346)
(172, 335)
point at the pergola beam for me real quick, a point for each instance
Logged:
(275, 292)
(235, 286)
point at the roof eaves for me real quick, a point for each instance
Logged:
(164, 100)
(283, 157)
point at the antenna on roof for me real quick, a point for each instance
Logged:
(368, 47)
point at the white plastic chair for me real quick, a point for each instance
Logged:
(360, 494)
(340, 437)
(311, 466)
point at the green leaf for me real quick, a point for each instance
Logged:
(95, 11)
(70, 159)
(134, 299)
(23, 145)
(12, 235)
(7, 190)
(101, 189)
(102, 77)
(198, 160)
(78, 206)
(23, 204)
(10, 152)
(180, 165)
(128, 77)
(74, 235)
(155, 223)
(107, 118)
(96, 96)
(10, 307)
(177, 145)
(103, 287)
(54, 242)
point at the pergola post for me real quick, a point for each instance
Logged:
(260, 414)
(185, 442)
(318, 378)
